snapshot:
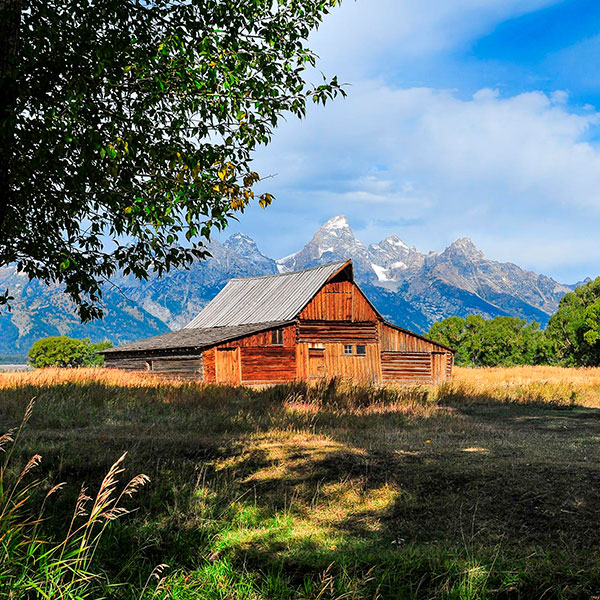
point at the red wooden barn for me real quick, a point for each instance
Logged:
(310, 324)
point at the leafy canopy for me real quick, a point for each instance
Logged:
(64, 351)
(574, 330)
(503, 341)
(128, 127)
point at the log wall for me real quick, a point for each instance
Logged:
(172, 365)
(395, 340)
(268, 365)
(407, 367)
(126, 363)
(326, 331)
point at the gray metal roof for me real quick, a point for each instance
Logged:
(263, 299)
(187, 339)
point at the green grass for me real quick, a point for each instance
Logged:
(338, 492)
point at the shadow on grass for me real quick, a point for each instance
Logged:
(404, 498)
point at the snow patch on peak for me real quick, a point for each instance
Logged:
(380, 272)
(339, 222)
(394, 240)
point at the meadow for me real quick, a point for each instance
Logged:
(484, 487)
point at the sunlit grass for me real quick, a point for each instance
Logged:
(477, 489)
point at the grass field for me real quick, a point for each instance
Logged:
(486, 487)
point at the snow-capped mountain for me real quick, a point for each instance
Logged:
(410, 288)
(460, 280)
(333, 241)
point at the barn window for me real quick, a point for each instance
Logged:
(348, 349)
(361, 350)
(149, 365)
(277, 337)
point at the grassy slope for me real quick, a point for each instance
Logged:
(283, 493)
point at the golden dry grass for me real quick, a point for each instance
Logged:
(400, 492)
(525, 385)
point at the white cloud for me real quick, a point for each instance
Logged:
(369, 35)
(431, 166)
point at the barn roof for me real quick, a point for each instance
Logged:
(278, 297)
(194, 338)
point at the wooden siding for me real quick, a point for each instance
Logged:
(227, 366)
(407, 367)
(449, 364)
(180, 367)
(208, 361)
(274, 364)
(264, 339)
(394, 340)
(339, 301)
(131, 363)
(337, 364)
(327, 331)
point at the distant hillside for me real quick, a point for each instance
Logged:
(410, 288)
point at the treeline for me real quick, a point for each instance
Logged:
(572, 337)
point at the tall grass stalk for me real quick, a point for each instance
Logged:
(34, 567)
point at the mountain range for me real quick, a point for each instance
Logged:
(409, 288)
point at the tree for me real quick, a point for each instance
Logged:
(128, 128)
(503, 341)
(66, 352)
(574, 330)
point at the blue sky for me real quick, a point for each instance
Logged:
(476, 118)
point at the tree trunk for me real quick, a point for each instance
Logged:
(10, 22)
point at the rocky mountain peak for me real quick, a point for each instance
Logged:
(243, 244)
(336, 223)
(466, 248)
(334, 240)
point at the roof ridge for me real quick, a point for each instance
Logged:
(336, 262)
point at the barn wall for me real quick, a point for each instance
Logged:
(394, 340)
(257, 360)
(208, 359)
(407, 367)
(264, 339)
(327, 331)
(176, 366)
(330, 361)
(125, 363)
(339, 301)
(268, 365)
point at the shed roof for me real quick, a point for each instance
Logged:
(186, 339)
(269, 298)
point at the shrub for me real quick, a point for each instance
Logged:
(63, 351)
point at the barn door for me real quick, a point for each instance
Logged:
(316, 363)
(228, 366)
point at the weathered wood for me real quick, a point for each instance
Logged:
(336, 331)
(407, 367)
(228, 365)
(273, 364)
(339, 301)
(208, 362)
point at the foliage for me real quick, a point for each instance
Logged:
(32, 566)
(574, 330)
(63, 351)
(503, 341)
(129, 127)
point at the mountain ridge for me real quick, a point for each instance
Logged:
(410, 288)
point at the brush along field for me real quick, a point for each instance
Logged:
(485, 487)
